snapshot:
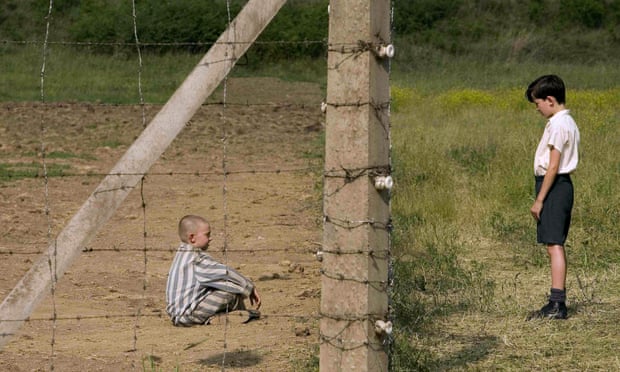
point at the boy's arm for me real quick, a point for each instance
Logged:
(211, 273)
(552, 172)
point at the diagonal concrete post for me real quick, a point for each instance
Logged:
(356, 214)
(138, 159)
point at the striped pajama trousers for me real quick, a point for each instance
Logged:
(214, 303)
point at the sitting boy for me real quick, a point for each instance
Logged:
(200, 287)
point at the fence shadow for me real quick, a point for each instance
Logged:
(477, 347)
(237, 359)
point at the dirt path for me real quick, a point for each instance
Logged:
(268, 217)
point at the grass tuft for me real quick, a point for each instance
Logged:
(18, 171)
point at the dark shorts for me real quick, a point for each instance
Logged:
(552, 228)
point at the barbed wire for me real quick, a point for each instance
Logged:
(29, 105)
(381, 110)
(142, 179)
(156, 314)
(379, 285)
(336, 340)
(352, 174)
(9, 174)
(374, 253)
(225, 175)
(354, 224)
(349, 174)
(11, 252)
(158, 44)
(51, 255)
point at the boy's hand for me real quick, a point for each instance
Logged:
(536, 209)
(255, 298)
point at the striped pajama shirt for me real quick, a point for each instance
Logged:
(199, 287)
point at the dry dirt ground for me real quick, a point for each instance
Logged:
(266, 212)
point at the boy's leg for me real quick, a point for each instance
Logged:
(232, 305)
(557, 257)
(552, 229)
(556, 308)
(216, 302)
(219, 302)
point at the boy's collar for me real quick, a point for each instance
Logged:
(560, 113)
(188, 247)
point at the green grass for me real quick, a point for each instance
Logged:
(470, 72)
(467, 267)
(17, 171)
(308, 362)
(69, 155)
(74, 74)
(60, 155)
(111, 144)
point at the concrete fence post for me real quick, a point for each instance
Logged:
(356, 233)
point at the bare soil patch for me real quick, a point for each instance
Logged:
(266, 212)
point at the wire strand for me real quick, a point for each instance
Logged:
(51, 253)
(143, 204)
(231, 58)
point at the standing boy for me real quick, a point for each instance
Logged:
(556, 158)
(200, 287)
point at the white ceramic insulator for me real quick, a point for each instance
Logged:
(386, 51)
(382, 327)
(384, 183)
(319, 256)
(389, 182)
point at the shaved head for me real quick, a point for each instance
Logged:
(190, 224)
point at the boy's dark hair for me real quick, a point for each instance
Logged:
(545, 86)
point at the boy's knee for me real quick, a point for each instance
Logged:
(555, 248)
(228, 301)
(191, 320)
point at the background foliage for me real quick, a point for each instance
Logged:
(424, 30)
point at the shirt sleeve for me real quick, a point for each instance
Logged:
(558, 138)
(211, 273)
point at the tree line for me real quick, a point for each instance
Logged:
(454, 27)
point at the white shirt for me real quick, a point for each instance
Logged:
(561, 133)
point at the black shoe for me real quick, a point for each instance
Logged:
(552, 310)
(235, 317)
(252, 315)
